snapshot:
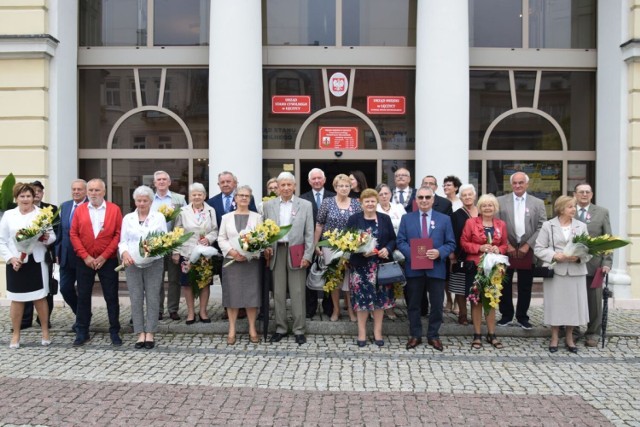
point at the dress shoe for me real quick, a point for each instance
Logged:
(413, 342)
(361, 343)
(553, 349)
(174, 315)
(116, 340)
(138, 345)
(590, 342)
(45, 343)
(277, 337)
(205, 320)
(190, 322)
(435, 343)
(301, 339)
(572, 349)
(379, 343)
(231, 339)
(149, 344)
(80, 340)
(242, 313)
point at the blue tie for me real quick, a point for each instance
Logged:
(318, 201)
(73, 209)
(227, 204)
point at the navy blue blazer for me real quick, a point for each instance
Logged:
(386, 235)
(64, 250)
(443, 240)
(216, 202)
(311, 198)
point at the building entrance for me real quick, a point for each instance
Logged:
(332, 168)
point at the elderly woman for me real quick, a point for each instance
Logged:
(565, 294)
(459, 281)
(27, 274)
(366, 294)
(144, 276)
(334, 213)
(241, 279)
(395, 212)
(358, 183)
(451, 186)
(484, 234)
(199, 218)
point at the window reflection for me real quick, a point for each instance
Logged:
(299, 22)
(181, 23)
(490, 96)
(113, 23)
(483, 16)
(525, 86)
(150, 130)
(379, 22)
(524, 131)
(562, 24)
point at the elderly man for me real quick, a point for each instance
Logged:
(95, 234)
(315, 196)
(402, 193)
(65, 255)
(524, 215)
(426, 222)
(290, 256)
(162, 182)
(597, 220)
(440, 204)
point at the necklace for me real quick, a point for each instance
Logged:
(386, 209)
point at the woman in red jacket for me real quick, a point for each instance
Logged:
(484, 234)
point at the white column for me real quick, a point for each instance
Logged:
(611, 187)
(235, 92)
(442, 90)
(63, 104)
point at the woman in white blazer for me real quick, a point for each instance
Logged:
(565, 294)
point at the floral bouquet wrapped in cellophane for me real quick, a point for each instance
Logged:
(27, 237)
(252, 242)
(200, 270)
(158, 244)
(344, 243)
(487, 286)
(599, 245)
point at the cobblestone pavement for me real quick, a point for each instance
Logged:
(197, 379)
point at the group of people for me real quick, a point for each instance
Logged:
(93, 235)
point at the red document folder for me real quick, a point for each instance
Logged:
(419, 248)
(598, 279)
(522, 262)
(297, 254)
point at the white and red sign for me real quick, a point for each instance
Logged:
(338, 84)
(386, 105)
(338, 138)
(294, 104)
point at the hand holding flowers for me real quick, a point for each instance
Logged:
(252, 242)
(157, 244)
(39, 229)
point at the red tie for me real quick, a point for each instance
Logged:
(425, 229)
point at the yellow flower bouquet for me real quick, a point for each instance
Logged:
(487, 286)
(169, 212)
(27, 237)
(158, 244)
(200, 273)
(254, 241)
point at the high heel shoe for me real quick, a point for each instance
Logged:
(572, 349)
(204, 319)
(190, 322)
(231, 339)
(14, 345)
(379, 343)
(361, 343)
(46, 343)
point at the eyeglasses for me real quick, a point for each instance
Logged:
(403, 175)
(583, 192)
(243, 195)
(424, 197)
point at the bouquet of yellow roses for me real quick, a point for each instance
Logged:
(487, 286)
(252, 242)
(27, 237)
(343, 243)
(169, 212)
(600, 245)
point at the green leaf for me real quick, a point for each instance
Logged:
(6, 191)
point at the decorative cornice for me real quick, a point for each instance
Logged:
(26, 46)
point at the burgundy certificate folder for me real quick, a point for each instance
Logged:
(598, 278)
(297, 254)
(419, 248)
(524, 262)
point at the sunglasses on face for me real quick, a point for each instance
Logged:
(423, 197)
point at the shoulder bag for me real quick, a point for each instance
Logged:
(389, 273)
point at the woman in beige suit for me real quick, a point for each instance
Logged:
(565, 294)
(241, 279)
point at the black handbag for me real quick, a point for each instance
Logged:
(389, 273)
(464, 267)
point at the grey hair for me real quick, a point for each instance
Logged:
(156, 174)
(81, 181)
(244, 187)
(196, 186)
(426, 187)
(315, 170)
(143, 190)
(381, 186)
(465, 187)
(286, 176)
(99, 180)
(526, 177)
(228, 173)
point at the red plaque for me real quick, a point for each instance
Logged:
(290, 104)
(386, 105)
(338, 138)
(419, 248)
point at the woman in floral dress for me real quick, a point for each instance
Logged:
(366, 294)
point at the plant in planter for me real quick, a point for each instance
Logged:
(6, 193)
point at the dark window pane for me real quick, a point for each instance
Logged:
(150, 130)
(93, 168)
(490, 96)
(299, 22)
(570, 98)
(186, 93)
(524, 131)
(201, 172)
(113, 23)
(495, 23)
(475, 175)
(525, 82)
(379, 22)
(579, 172)
(181, 23)
(562, 24)
(129, 174)
(271, 168)
(149, 86)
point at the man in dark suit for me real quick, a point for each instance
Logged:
(524, 215)
(224, 203)
(440, 204)
(95, 234)
(597, 220)
(27, 316)
(426, 222)
(65, 255)
(315, 196)
(402, 193)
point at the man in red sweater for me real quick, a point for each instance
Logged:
(95, 234)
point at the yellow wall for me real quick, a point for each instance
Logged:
(633, 254)
(24, 99)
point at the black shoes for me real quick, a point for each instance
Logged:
(149, 344)
(205, 320)
(301, 339)
(138, 345)
(190, 322)
(116, 340)
(573, 350)
(174, 315)
(81, 340)
(361, 343)
(277, 337)
(553, 349)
